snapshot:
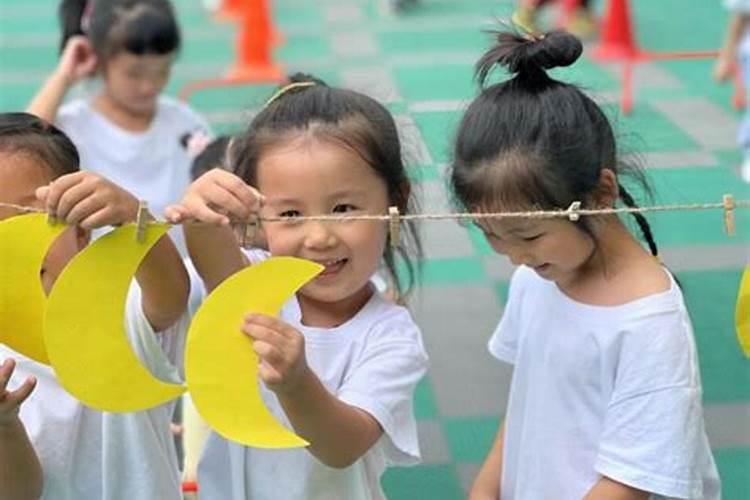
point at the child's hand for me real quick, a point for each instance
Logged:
(281, 349)
(88, 200)
(10, 401)
(724, 67)
(216, 197)
(78, 59)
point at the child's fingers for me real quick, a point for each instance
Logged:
(102, 217)
(58, 188)
(230, 203)
(247, 196)
(83, 210)
(277, 325)
(264, 334)
(21, 394)
(268, 353)
(269, 374)
(6, 370)
(175, 214)
(202, 212)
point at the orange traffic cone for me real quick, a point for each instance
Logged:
(617, 41)
(254, 62)
(230, 10)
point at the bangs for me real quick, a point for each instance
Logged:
(511, 183)
(146, 31)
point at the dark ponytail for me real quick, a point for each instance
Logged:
(640, 219)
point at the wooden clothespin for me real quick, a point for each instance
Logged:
(729, 226)
(394, 226)
(141, 221)
(250, 229)
(572, 211)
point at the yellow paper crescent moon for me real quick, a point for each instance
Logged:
(84, 328)
(221, 367)
(24, 242)
(742, 313)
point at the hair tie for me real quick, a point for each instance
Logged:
(283, 90)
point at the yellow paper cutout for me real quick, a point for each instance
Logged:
(24, 242)
(220, 364)
(85, 331)
(742, 313)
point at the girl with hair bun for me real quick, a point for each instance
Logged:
(605, 400)
(126, 130)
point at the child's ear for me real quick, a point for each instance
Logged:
(83, 236)
(607, 191)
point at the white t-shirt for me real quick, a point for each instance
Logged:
(373, 362)
(90, 455)
(153, 165)
(601, 391)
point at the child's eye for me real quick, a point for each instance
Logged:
(288, 214)
(532, 238)
(338, 209)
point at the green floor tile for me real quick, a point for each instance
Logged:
(425, 407)
(433, 482)
(734, 469)
(448, 82)
(438, 129)
(469, 440)
(711, 299)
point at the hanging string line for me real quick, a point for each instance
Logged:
(573, 212)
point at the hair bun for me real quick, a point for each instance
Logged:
(529, 54)
(306, 78)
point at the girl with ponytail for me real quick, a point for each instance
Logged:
(605, 400)
(126, 130)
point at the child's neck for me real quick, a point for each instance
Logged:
(122, 117)
(619, 271)
(332, 314)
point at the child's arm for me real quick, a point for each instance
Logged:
(20, 471)
(215, 198)
(607, 489)
(487, 483)
(90, 201)
(77, 61)
(338, 433)
(728, 52)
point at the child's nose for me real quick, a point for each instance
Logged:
(319, 234)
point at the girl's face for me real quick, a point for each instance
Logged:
(555, 248)
(134, 82)
(308, 176)
(20, 176)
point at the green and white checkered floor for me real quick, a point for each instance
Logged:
(420, 64)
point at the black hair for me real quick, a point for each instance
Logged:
(351, 119)
(213, 156)
(532, 141)
(139, 27)
(24, 133)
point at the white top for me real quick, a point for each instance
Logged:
(601, 391)
(90, 455)
(373, 362)
(153, 165)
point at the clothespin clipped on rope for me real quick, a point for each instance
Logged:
(572, 211)
(249, 230)
(394, 226)
(141, 221)
(729, 226)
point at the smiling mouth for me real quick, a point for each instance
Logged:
(332, 266)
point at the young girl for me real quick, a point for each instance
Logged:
(341, 363)
(86, 454)
(127, 131)
(605, 401)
